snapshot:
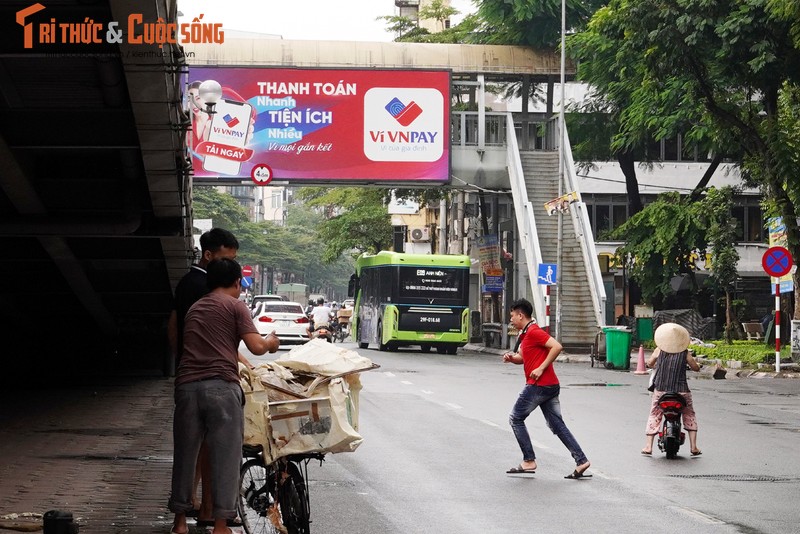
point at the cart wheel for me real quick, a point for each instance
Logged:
(256, 497)
(293, 499)
(609, 365)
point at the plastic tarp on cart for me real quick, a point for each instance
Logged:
(305, 402)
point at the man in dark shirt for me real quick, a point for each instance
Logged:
(215, 244)
(208, 396)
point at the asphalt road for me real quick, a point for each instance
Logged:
(437, 444)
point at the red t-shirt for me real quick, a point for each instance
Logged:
(534, 353)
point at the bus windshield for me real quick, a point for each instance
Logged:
(432, 282)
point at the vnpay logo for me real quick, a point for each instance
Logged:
(230, 121)
(405, 115)
(404, 124)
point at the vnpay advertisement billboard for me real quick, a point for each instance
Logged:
(321, 125)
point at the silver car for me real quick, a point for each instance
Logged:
(287, 319)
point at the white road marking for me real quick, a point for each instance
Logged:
(427, 392)
(705, 518)
(453, 406)
(389, 374)
(485, 422)
(406, 382)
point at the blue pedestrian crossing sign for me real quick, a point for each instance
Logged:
(547, 274)
(246, 282)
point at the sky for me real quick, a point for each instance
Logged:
(324, 20)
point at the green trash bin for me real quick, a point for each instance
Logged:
(618, 347)
(644, 329)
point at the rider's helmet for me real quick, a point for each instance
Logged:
(320, 301)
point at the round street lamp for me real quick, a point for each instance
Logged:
(210, 91)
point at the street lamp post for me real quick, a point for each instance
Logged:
(561, 148)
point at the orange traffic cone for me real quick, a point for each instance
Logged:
(640, 367)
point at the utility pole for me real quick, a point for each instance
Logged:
(561, 148)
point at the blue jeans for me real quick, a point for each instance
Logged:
(547, 398)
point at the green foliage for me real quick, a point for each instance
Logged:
(659, 242)
(727, 69)
(398, 25)
(294, 249)
(747, 352)
(356, 220)
(534, 23)
(438, 11)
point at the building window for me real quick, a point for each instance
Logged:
(602, 219)
(606, 213)
(749, 224)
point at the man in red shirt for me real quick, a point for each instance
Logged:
(537, 352)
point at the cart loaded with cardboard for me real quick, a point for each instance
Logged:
(298, 409)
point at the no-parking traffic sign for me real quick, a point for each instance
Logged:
(777, 261)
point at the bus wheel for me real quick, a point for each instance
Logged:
(425, 348)
(452, 350)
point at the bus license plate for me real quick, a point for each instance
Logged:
(428, 336)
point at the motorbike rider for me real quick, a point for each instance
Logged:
(670, 360)
(320, 316)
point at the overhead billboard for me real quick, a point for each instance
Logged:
(322, 125)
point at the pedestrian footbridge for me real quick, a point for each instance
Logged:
(95, 185)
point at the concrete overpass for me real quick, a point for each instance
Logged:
(95, 188)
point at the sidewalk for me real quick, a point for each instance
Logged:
(709, 366)
(101, 451)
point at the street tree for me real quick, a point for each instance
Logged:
(438, 11)
(626, 109)
(660, 243)
(721, 233)
(741, 62)
(356, 219)
(294, 250)
(533, 23)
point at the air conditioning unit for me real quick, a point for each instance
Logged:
(421, 234)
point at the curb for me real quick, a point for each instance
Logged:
(710, 368)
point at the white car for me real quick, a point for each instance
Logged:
(287, 319)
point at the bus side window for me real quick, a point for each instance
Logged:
(352, 286)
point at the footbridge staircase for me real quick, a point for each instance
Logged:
(577, 302)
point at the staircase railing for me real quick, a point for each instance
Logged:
(526, 224)
(583, 229)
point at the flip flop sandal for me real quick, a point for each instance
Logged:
(519, 470)
(575, 475)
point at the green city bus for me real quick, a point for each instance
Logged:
(411, 299)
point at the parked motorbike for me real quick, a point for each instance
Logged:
(670, 438)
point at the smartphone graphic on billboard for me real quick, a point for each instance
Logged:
(229, 128)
